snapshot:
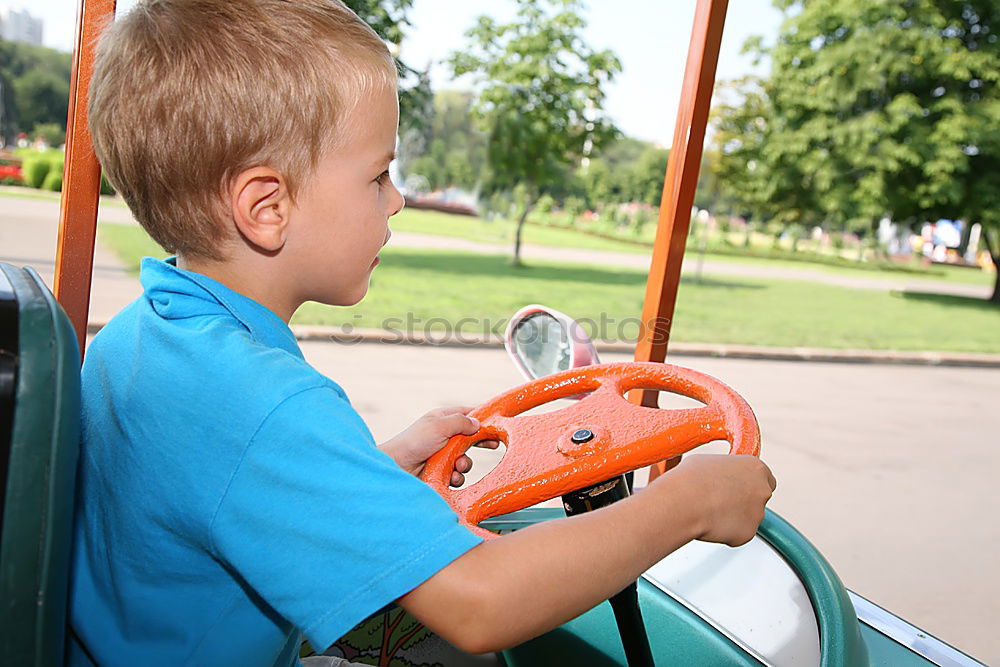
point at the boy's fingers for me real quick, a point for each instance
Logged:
(487, 444)
(451, 410)
(457, 478)
(456, 423)
(463, 463)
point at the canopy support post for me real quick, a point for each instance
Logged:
(81, 175)
(678, 194)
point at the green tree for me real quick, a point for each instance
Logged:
(625, 170)
(708, 194)
(386, 17)
(759, 176)
(455, 151)
(464, 144)
(598, 184)
(875, 108)
(646, 177)
(389, 19)
(452, 151)
(8, 110)
(623, 151)
(34, 87)
(540, 95)
(42, 98)
(53, 133)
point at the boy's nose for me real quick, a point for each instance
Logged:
(400, 202)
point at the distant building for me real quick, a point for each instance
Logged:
(17, 25)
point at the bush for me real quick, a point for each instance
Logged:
(642, 217)
(543, 209)
(725, 224)
(34, 170)
(106, 187)
(573, 207)
(53, 181)
(499, 205)
(611, 218)
(53, 133)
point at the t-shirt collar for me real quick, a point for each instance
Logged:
(178, 294)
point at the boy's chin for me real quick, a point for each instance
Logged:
(354, 302)
(346, 300)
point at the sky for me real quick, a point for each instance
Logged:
(649, 36)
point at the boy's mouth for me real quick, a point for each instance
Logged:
(377, 259)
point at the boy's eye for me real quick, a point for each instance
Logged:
(383, 178)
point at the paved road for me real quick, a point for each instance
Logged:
(28, 231)
(890, 470)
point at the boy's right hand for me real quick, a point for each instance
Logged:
(505, 591)
(728, 492)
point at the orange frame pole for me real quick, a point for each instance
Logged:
(678, 193)
(81, 175)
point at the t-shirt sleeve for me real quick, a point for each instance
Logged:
(323, 526)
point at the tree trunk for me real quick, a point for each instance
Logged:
(963, 244)
(994, 250)
(996, 281)
(516, 261)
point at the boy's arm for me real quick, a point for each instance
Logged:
(510, 589)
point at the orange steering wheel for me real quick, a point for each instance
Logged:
(598, 438)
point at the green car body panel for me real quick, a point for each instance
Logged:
(679, 636)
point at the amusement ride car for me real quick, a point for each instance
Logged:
(773, 601)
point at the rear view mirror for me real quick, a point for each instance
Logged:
(543, 341)
(541, 344)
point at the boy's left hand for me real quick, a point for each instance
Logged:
(411, 448)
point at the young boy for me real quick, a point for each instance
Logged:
(230, 497)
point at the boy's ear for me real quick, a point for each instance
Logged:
(260, 207)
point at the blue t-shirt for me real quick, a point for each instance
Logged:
(230, 498)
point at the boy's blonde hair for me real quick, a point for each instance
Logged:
(187, 94)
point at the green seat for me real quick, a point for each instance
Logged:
(39, 445)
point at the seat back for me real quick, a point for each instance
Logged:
(39, 446)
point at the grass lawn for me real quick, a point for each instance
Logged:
(420, 289)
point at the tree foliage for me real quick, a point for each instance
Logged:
(34, 87)
(456, 148)
(389, 19)
(872, 108)
(627, 170)
(540, 92)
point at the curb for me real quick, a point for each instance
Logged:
(327, 334)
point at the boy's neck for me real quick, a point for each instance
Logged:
(246, 280)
